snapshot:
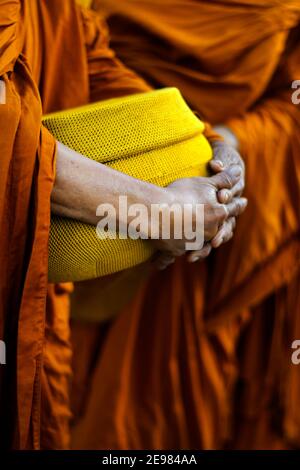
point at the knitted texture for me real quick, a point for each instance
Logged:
(151, 136)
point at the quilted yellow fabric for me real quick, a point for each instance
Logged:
(152, 136)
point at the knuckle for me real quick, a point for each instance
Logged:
(228, 180)
(242, 184)
(233, 209)
(237, 207)
(222, 213)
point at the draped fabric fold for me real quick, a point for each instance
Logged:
(50, 51)
(27, 173)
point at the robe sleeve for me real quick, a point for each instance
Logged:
(10, 11)
(109, 78)
(26, 180)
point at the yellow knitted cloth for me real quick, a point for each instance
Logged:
(152, 136)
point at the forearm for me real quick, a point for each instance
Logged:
(82, 184)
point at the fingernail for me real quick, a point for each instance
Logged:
(218, 162)
(226, 196)
(194, 260)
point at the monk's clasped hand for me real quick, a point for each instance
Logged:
(204, 190)
(225, 156)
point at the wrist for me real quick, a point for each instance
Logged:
(228, 135)
(142, 203)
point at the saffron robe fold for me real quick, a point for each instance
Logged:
(201, 357)
(53, 55)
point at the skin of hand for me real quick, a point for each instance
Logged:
(228, 136)
(225, 154)
(204, 191)
(82, 184)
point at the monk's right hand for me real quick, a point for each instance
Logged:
(202, 190)
(82, 184)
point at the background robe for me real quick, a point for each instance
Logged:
(202, 357)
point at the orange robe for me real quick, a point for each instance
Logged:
(53, 55)
(202, 357)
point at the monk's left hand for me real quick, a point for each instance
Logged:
(225, 154)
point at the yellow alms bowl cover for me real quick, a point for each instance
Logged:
(152, 136)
